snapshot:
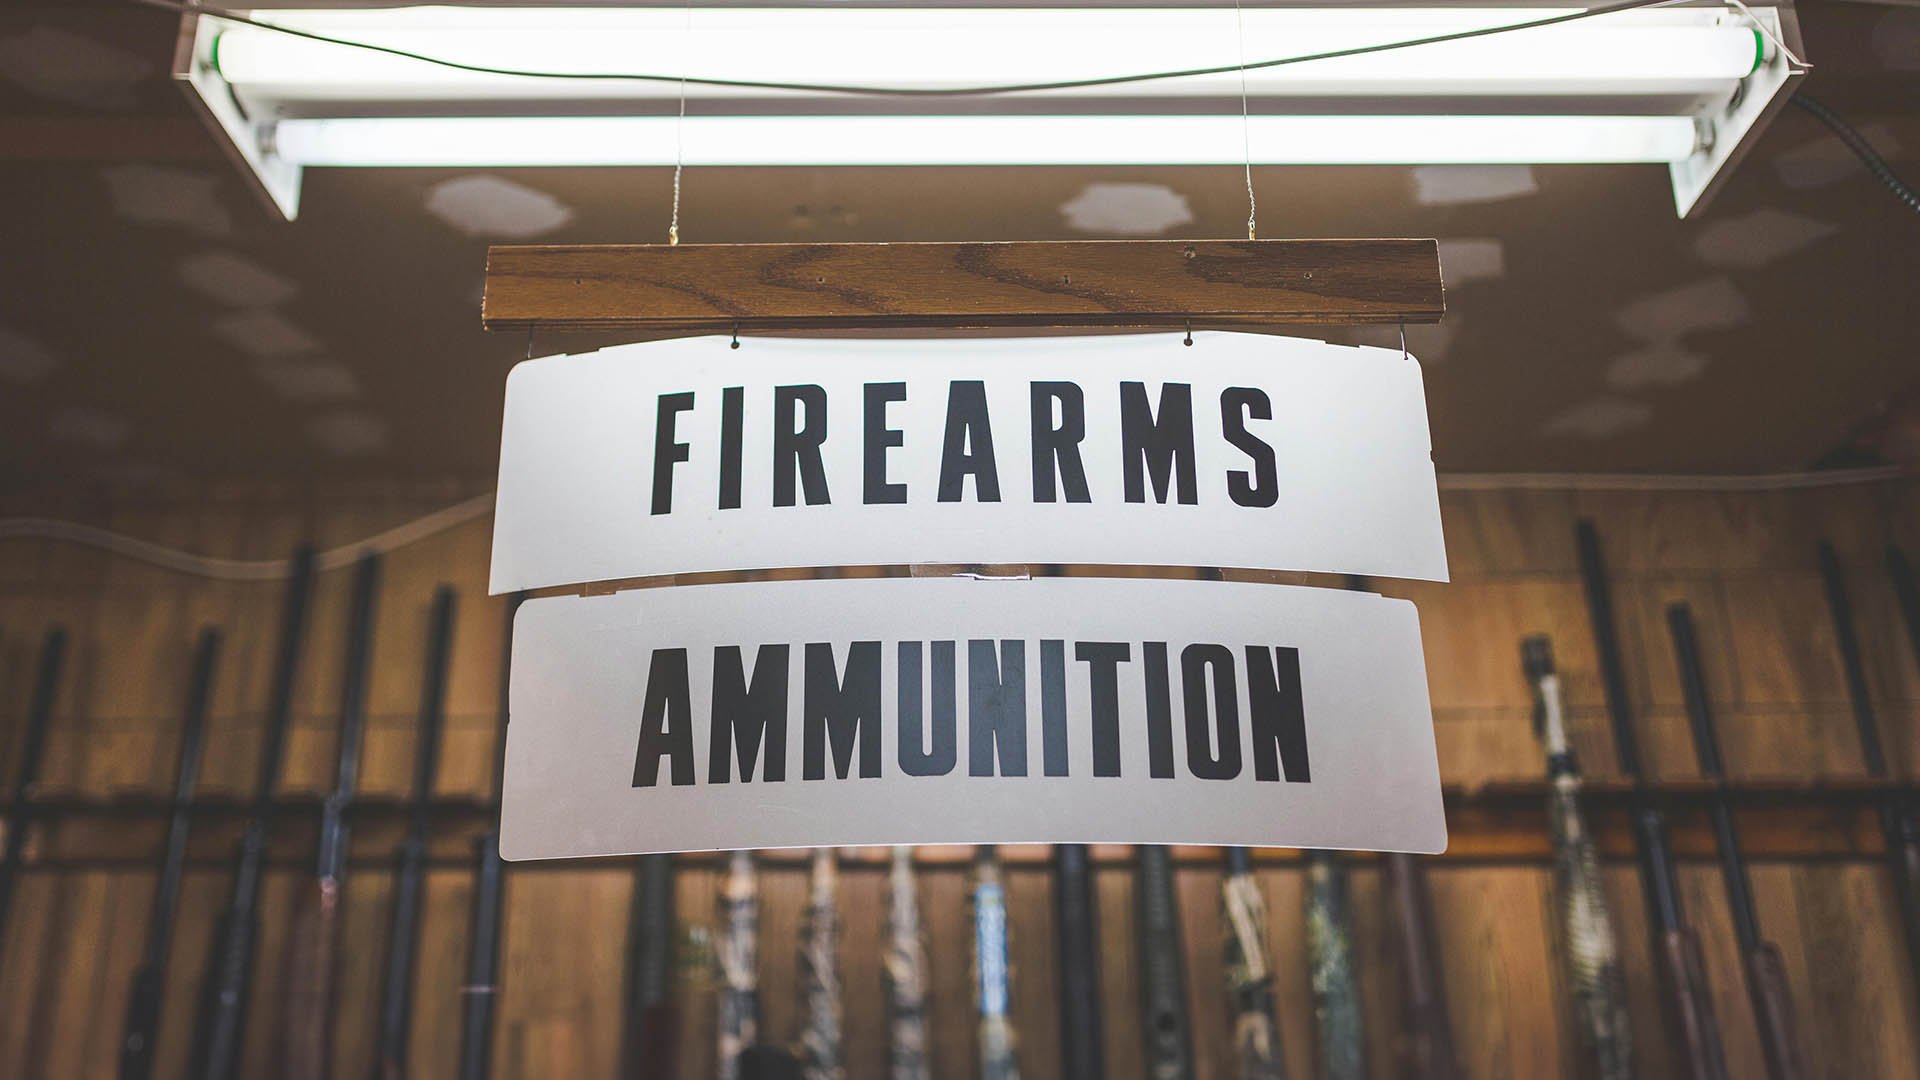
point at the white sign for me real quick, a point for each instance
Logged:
(951, 710)
(684, 456)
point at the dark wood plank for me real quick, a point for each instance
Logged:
(718, 288)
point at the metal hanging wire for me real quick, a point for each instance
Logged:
(679, 135)
(1246, 122)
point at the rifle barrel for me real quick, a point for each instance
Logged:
(145, 993)
(992, 979)
(221, 1022)
(737, 1014)
(1897, 825)
(306, 1030)
(1082, 1051)
(905, 969)
(1338, 1015)
(1243, 920)
(647, 1042)
(46, 687)
(1773, 1013)
(1586, 924)
(1906, 594)
(1163, 979)
(477, 997)
(1427, 1050)
(1691, 1004)
(403, 942)
(821, 1053)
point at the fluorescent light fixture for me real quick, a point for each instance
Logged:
(1646, 51)
(981, 140)
(1681, 86)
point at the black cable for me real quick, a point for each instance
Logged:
(1861, 148)
(899, 91)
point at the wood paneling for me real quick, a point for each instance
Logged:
(1743, 562)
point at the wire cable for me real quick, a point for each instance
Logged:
(460, 513)
(902, 91)
(1861, 148)
(219, 569)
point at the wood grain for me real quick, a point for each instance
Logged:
(1743, 562)
(720, 288)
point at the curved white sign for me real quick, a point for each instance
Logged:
(949, 710)
(1240, 450)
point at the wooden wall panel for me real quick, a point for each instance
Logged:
(1743, 562)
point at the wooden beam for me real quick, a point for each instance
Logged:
(717, 288)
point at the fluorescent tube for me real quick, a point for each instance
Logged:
(980, 140)
(1682, 51)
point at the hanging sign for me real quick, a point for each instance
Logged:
(949, 710)
(685, 456)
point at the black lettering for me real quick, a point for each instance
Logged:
(1159, 711)
(1262, 487)
(968, 448)
(1058, 448)
(748, 715)
(733, 412)
(845, 711)
(997, 708)
(1279, 718)
(667, 451)
(1159, 448)
(798, 451)
(917, 758)
(1053, 707)
(1202, 762)
(666, 721)
(879, 437)
(1103, 660)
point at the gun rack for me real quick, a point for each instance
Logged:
(663, 290)
(1503, 822)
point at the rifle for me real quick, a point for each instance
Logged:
(1335, 976)
(1082, 1053)
(46, 686)
(1684, 974)
(647, 1041)
(992, 979)
(1586, 926)
(1243, 915)
(409, 879)
(1426, 1047)
(150, 978)
(1163, 976)
(1906, 594)
(905, 969)
(1765, 971)
(221, 1023)
(1339, 1017)
(1897, 825)
(737, 1013)
(306, 1030)
(489, 887)
(820, 1052)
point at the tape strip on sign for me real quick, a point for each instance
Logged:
(849, 712)
(678, 457)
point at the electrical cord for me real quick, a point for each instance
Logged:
(1861, 148)
(220, 569)
(184, 7)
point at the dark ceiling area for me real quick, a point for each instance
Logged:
(158, 326)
